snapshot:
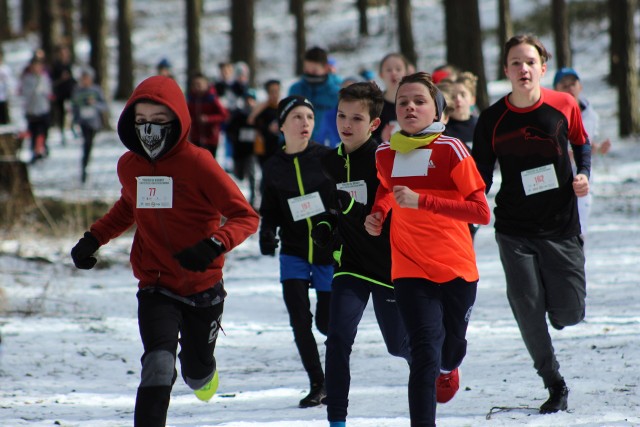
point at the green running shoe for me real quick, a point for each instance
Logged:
(206, 393)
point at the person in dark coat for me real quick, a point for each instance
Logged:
(296, 193)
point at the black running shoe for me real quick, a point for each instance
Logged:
(315, 396)
(558, 395)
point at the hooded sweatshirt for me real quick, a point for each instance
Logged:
(202, 194)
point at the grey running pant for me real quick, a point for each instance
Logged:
(544, 276)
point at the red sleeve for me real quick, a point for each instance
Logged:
(241, 220)
(473, 209)
(115, 222)
(218, 113)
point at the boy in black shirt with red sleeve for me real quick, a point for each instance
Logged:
(536, 216)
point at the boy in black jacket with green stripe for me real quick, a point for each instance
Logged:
(296, 193)
(363, 261)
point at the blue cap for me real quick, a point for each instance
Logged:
(251, 93)
(368, 74)
(564, 72)
(164, 63)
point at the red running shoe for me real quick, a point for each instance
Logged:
(447, 385)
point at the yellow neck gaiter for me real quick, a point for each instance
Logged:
(403, 143)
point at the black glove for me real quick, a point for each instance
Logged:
(341, 200)
(199, 256)
(82, 252)
(321, 234)
(268, 242)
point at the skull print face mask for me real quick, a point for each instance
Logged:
(155, 137)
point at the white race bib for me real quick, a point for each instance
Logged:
(247, 135)
(539, 179)
(154, 192)
(413, 163)
(306, 206)
(87, 112)
(357, 190)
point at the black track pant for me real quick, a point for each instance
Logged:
(164, 322)
(296, 298)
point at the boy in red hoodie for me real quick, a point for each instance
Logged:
(176, 194)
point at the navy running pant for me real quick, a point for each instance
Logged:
(349, 297)
(436, 316)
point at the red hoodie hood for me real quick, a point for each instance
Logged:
(160, 89)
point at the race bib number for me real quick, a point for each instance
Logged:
(247, 135)
(154, 192)
(88, 112)
(539, 179)
(413, 163)
(357, 190)
(305, 206)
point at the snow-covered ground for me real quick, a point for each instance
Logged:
(70, 351)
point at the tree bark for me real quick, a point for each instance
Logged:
(193, 37)
(97, 27)
(66, 10)
(296, 7)
(5, 21)
(628, 107)
(48, 36)
(243, 37)
(363, 22)
(405, 31)
(29, 15)
(125, 50)
(505, 32)
(616, 34)
(560, 22)
(464, 43)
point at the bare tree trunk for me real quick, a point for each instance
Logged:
(464, 43)
(616, 34)
(85, 5)
(505, 32)
(5, 21)
(68, 31)
(125, 50)
(363, 22)
(628, 107)
(29, 16)
(243, 35)
(405, 31)
(48, 36)
(194, 8)
(296, 7)
(560, 22)
(97, 37)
